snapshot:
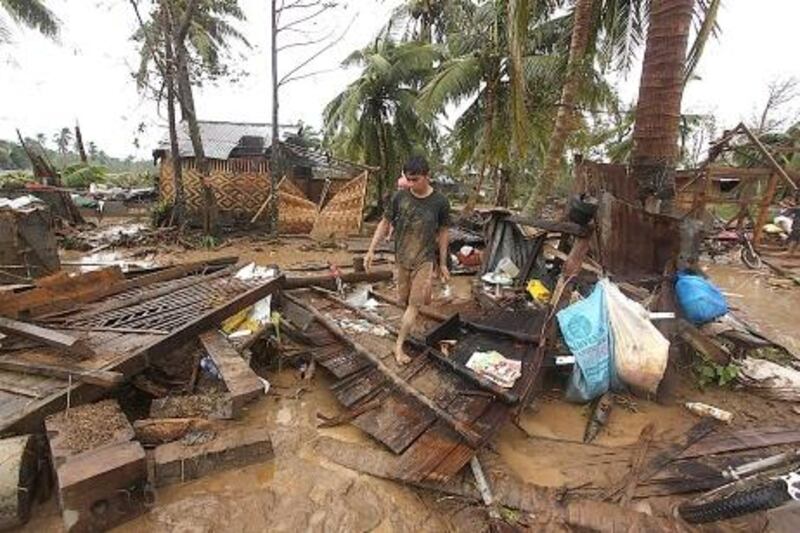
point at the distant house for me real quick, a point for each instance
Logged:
(238, 154)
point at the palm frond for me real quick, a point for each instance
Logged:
(34, 14)
(706, 12)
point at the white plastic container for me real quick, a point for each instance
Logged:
(507, 267)
(703, 409)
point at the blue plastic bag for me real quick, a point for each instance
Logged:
(585, 328)
(700, 300)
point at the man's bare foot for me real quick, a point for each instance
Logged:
(401, 357)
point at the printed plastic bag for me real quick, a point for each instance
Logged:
(699, 299)
(584, 326)
(640, 350)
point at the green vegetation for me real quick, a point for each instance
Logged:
(708, 372)
(15, 167)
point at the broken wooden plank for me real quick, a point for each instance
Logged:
(329, 281)
(61, 291)
(102, 489)
(743, 439)
(458, 426)
(242, 383)
(459, 369)
(177, 462)
(703, 344)
(101, 378)
(56, 339)
(570, 228)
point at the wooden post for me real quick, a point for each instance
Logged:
(763, 211)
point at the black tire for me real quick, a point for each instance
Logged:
(741, 503)
(750, 258)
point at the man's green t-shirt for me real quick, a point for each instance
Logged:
(417, 222)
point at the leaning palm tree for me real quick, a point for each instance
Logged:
(31, 13)
(375, 118)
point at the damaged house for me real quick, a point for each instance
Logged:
(238, 154)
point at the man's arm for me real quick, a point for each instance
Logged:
(380, 233)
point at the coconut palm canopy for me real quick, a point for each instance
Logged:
(30, 13)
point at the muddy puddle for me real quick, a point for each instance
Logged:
(755, 297)
(550, 451)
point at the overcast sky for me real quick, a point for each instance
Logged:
(87, 74)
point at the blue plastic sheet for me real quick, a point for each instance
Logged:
(585, 328)
(700, 300)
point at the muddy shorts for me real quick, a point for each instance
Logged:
(414, 285)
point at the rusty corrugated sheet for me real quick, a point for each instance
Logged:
(634, 243)
(597, 178)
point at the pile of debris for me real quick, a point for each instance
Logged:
(132, 382)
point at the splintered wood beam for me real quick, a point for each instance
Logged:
(463, 430)
(242, 383)
(48, 337)
(101, 378)
(763, 149)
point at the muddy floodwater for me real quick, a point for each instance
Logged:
(755, 296)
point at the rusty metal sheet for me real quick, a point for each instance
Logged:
(634, 243)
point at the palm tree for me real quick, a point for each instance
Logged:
(63, 140)
(428, 21)
(603, 32)
(507, 60)
(93, 152)
(31, 13)
(656, 131)
(41, 140)
(375, 118)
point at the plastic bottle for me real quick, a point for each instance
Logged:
(703, 409)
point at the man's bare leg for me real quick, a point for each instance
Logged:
(409, 317)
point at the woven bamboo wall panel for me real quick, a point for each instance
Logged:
(296, 213)
(239, 191)
(343, 214)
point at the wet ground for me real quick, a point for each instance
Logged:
(768, 302)
(298, 491)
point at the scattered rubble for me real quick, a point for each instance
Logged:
(193, 355)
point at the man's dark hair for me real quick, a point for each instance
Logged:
(417, 166)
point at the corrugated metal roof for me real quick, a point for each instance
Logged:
(220, 138)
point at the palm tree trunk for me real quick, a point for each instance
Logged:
(565, 117)
(187, 101)
(175, 155)
(383, 176)
(487, 148)
(658, 112)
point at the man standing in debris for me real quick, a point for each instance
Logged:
(420, 217)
